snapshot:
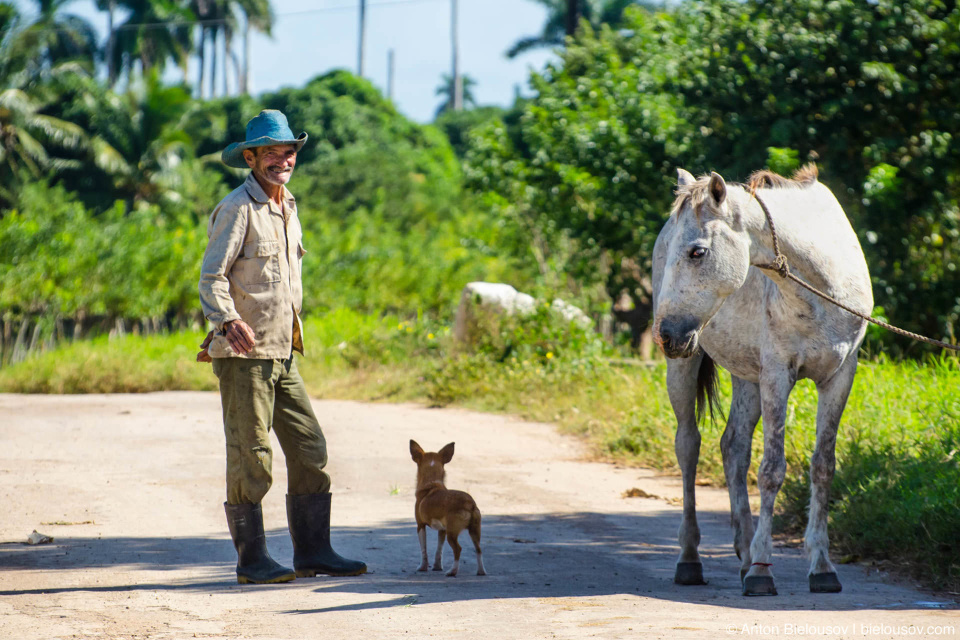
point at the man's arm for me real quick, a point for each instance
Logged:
(226, 231)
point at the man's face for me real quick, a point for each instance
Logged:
(273, 164)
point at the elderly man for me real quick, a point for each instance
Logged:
(250, 289)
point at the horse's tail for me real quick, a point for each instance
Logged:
(708, 394)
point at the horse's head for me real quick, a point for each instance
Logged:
(707, 259)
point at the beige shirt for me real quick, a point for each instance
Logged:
(251, 272)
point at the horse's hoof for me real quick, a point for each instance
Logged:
(759, 586)
(689, 573)
(743, 574)
(825, 583)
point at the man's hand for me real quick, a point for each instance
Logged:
(204, 355)
(240, 336)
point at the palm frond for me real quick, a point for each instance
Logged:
(31, 149)
(64, 133)
(107, 158)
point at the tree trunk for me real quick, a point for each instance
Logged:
(235, 60)
(202, 54)
(245, 82)
(226, 60)
(111, 46)
(573, 16)
(214, 33)
(18, 346)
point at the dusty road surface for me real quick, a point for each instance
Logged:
(131, 488)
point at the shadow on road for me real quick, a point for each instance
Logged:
(576, 555)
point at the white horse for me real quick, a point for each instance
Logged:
(712, 304)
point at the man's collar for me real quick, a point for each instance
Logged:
(255, 190)
(260, 196)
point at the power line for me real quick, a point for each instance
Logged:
(166, 24)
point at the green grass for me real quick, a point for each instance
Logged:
(894, 497)
(128, 364)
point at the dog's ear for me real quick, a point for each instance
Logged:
(416, 452)
(446, 454)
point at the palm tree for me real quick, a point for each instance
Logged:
(138, 140)
(53, 37)
(221, 17)
(596, 12)
(259, 16)
(154, 32)
(28, 135)
(447, 88)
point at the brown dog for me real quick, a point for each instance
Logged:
(449, 512)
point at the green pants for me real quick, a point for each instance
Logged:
(258, 395)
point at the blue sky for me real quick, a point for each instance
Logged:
(314, 36)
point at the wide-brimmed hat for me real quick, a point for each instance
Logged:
(267, 128)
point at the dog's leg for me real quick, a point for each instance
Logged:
(422, 535)
(438, 561)
(475, 536)
(452, 539)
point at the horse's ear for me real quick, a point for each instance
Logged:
(416, 452)
(684, 177)
(718, 188)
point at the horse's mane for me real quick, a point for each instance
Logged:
(803, 177)
(697, 193)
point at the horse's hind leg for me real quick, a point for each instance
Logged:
(736, 446)
(776, 383)
(832, 398)
(682, 387)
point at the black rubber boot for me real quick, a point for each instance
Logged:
(254, 564)
(309, 520)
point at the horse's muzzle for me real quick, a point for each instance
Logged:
(677, 335)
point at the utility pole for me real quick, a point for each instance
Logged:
(390, 74)
(457, 80)
(363, 29)
(572, 16)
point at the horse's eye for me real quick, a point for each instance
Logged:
(697, 252)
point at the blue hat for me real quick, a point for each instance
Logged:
(267, 128)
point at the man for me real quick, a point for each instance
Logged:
(250, 289)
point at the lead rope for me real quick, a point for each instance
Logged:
(780, 265)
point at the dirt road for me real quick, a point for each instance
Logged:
(148, 555)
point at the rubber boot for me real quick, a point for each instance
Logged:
(309, 520)
(254, 564)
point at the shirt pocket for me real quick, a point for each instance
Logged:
(260, 263)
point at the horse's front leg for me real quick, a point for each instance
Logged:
(736, 445)
(832, 399)
(682, 387)
(776, 383)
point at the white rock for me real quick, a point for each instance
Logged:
(503, 298)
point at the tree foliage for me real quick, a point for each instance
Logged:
(120, 231)
(867, 90)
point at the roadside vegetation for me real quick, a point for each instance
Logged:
(105, 188)
(894, 498)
